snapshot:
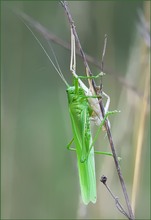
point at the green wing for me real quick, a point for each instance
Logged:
(83, 140)
(87, 179)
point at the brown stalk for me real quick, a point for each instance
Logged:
(71, 22)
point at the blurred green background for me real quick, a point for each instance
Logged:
(39, 177)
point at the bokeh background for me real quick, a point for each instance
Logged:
(39, 178)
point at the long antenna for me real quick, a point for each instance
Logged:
(58, 70)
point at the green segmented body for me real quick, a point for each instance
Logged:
(80, 112)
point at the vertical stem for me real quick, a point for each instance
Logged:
(71, 22)
(131, 216)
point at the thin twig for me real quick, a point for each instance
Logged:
(50, 36)
(117, 203)
(131, 216)
(103, 54)
(117, 163)
(102, 61)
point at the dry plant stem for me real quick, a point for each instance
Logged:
(117, 203)
(102, 61)
(143, 29)
(131, 216)
(103, 54)
(50, 36)
(139, 145)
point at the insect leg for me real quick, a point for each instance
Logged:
(73, 63)
(107, 103)
(73, 56)
(86, 138)
(69, 145)
(100, 127)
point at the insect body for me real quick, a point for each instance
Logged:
(80, 113)
(83, 106)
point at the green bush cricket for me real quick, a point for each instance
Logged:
(83, 106)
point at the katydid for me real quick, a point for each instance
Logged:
(80, 113)
(83, 105)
